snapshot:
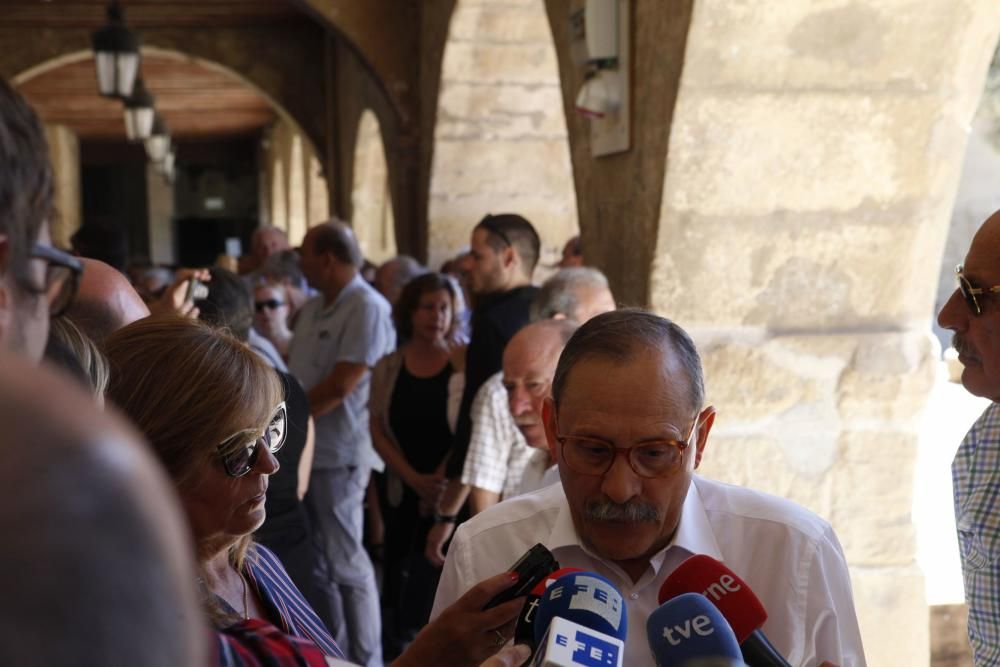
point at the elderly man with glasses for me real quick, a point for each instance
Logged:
(628, 426)
(973, 314)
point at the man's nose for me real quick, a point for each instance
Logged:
(620, 483)
(267, 463)
(955, 313)
(519, 401)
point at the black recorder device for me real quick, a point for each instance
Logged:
(532, 568)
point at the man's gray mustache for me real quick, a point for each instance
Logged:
(962, 347)
(636, 512)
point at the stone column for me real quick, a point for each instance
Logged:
(64, 153)
(160, 198)
(500, 142)
(813, 161)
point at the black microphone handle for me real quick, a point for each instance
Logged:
(758, 652)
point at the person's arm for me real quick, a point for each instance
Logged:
(481, 499)
(331, 392)
(483, 358)
(831, 622)
(449, 506)
(464, 635)
(306, 462)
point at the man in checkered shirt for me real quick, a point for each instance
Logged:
(973, 314)
(498, 453)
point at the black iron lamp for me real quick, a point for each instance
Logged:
(139, 113)
(116, 54)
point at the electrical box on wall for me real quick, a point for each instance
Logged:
(600, 42)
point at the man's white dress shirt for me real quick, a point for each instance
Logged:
(787, 555)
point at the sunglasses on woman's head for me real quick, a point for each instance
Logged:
(243, 453)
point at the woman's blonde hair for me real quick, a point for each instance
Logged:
(84, 349)
(188, 387)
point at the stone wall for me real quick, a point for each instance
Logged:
(814, 154)
(64, 151)
(294, 193)
(500, 135)
(372, 217)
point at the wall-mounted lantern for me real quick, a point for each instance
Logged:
(158, 143)
(116, 55)
(139, 113)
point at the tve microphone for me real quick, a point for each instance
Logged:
(738, 604)
(586, 598)
(687, 628)
(524, 631)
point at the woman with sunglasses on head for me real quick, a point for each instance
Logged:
(214, 414)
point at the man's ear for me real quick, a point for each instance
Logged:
(705, 421)
(509, 257)
(551, 428)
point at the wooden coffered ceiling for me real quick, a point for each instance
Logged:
(196, 101)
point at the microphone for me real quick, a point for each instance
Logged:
(581, 620)
(524, 630)
(689, 628)
(738, 604)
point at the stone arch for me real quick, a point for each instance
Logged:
(371, 203)
(813, 157)
(500, 138)
(76, 56)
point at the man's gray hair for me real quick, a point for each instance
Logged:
(336, 237)
(407, 269)
(622, 335)
(560, 294)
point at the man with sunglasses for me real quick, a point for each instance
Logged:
(628, 426)
(36, 280)
(973, 314)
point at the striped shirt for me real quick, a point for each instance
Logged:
(256, 643)
(283, 602)
(976, 480)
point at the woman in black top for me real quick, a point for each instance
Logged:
(410, 431)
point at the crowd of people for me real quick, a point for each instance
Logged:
(304, 463)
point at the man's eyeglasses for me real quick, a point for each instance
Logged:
(239, 455)
(270, 304)
(590, 456)
(970, 292)
(62, 277)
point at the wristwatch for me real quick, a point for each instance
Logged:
(445, 518)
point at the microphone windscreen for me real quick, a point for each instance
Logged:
(569, 644)
(585, 598)
(543, 585)
(689, 627)
(703, 574)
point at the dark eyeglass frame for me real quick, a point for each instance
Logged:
(62, 277)
(270, 304)
(490, 225)
(629, 452)
(242, 460)
(969, 291)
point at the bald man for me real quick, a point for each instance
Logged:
(98, 566)
(106, 301)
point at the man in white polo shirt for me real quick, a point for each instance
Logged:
(628, 426)
(339, 335)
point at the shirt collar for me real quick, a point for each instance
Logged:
(694, 532)
(354, 284)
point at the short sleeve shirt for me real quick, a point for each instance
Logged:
(355, 328)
